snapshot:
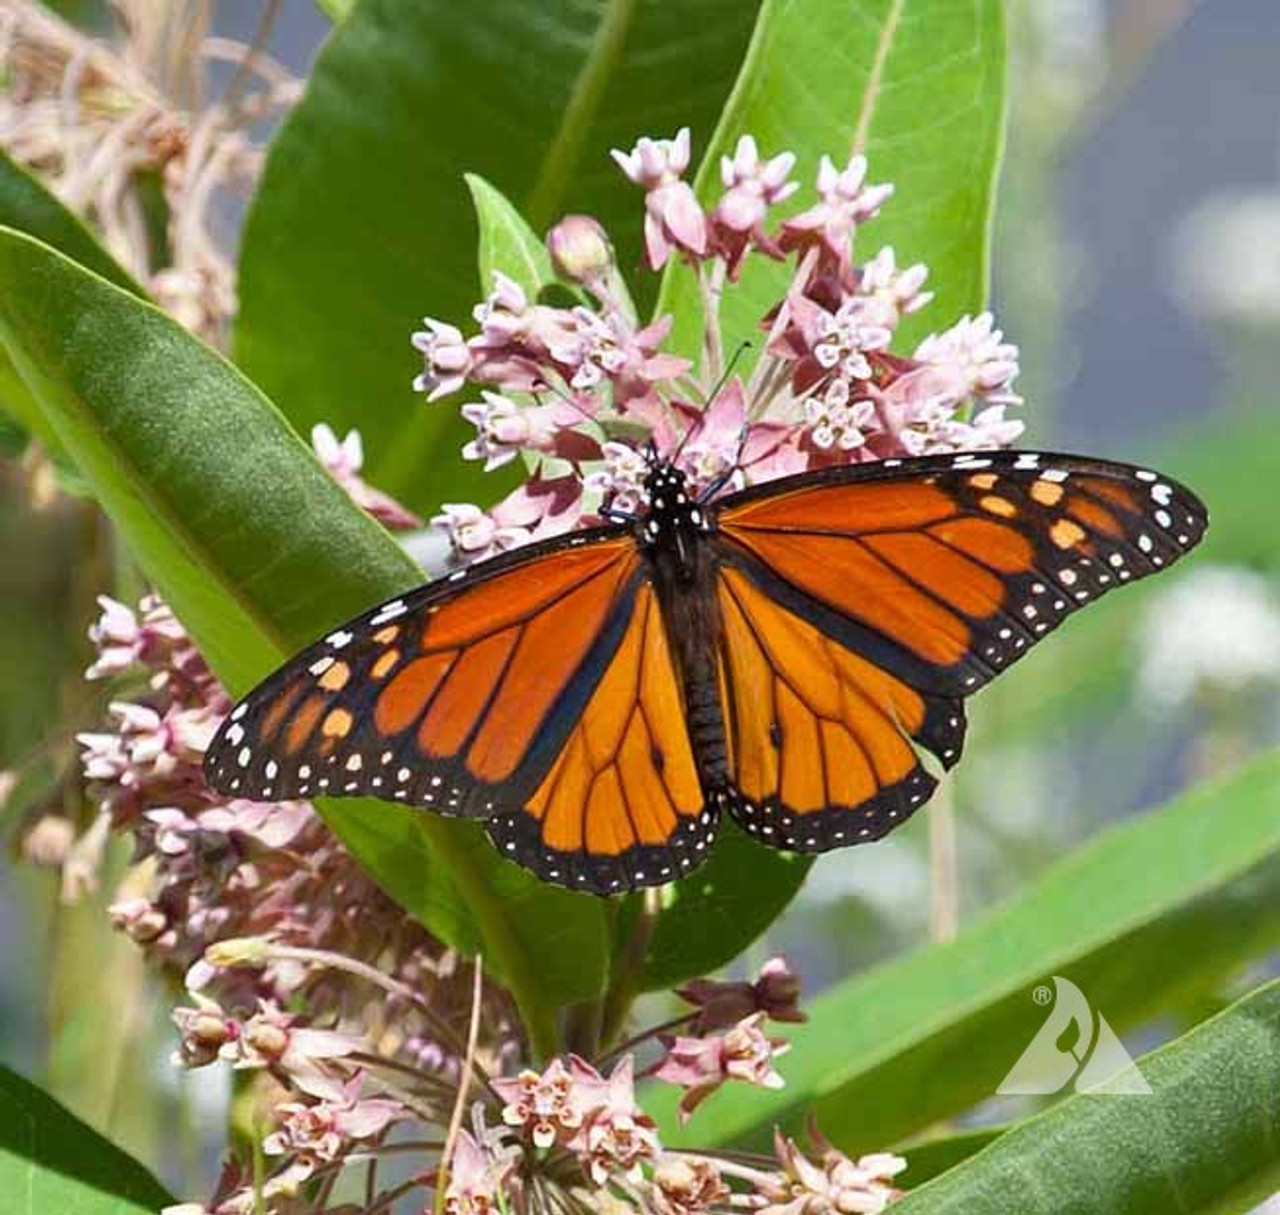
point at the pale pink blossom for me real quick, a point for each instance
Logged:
(618, 1135)
(446, 359)
(505, 429)
(701, 1065)
(686, 1185)
(888, 293)
(343, 460)
(752, 186)
(317, 1132)
(550, 1107)
(973, 359)
(846, 201)
(477, 1178)
(580, 251)
(674, 222)
(474, 533)
(836, 1185)
(835, 421)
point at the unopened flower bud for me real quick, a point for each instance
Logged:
(266, 1038)
(580, 250)
(238, 951)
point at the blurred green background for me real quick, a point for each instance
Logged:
(1137, 263)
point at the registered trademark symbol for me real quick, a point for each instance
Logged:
(1042, 994)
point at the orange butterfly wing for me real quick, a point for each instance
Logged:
(457, 696)
(622, 805)
(860, 606)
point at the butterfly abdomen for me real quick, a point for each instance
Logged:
(706, 731)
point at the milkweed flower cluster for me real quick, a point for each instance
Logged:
(579, 392)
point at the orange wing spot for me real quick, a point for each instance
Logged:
(848, 771)
(608, 831)
(338, 724)
(851, 579)
(335, 678)
(992, 543)
(847, 509)
(388, 635)
(466, 690)
(983, 480)
(405, 697)
(519, 595)
(299, 729)
(993, 504)
(803, 788)
(552, 648)
(1097, 517)
(384, 664)
(1047, 493)
(1121, 495)
(1066, 534)
(971, 588)
(272, 718)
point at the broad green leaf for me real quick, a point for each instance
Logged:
(507, 243)
(930, 1157)
(50, 1161)
(362, 222)
(1206, 1139)
(918, 87)
(1148, 910)
(717, 911)
(27, 206)
(259, 551)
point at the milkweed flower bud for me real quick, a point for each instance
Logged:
(580, 250)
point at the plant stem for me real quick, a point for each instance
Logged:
(622, 988)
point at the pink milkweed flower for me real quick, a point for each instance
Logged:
(318, 1132)
(503, 315)
(272, 1038)
(446, 357)
(552, 1106)
(504, 429)
(836, 1186)
(702, 1065)
(834, 422)
(474, 533)
(121, 639)
(847, 201)
(846, 337)
(617, 1136)
(775, 992)
(719, 441)
(673, 219)
(751, 188)
(685, 1185)
(887, 294)
(476, 1179)
(972, 359)
(343, 461)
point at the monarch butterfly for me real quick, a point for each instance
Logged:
(601, 699)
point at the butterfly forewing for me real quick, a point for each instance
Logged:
(457, 696)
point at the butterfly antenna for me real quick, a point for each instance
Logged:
(743, 347)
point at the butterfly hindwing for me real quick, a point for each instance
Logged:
(456, 696)
(622, 805)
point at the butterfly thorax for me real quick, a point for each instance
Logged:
(675, 521)
(674, 539)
